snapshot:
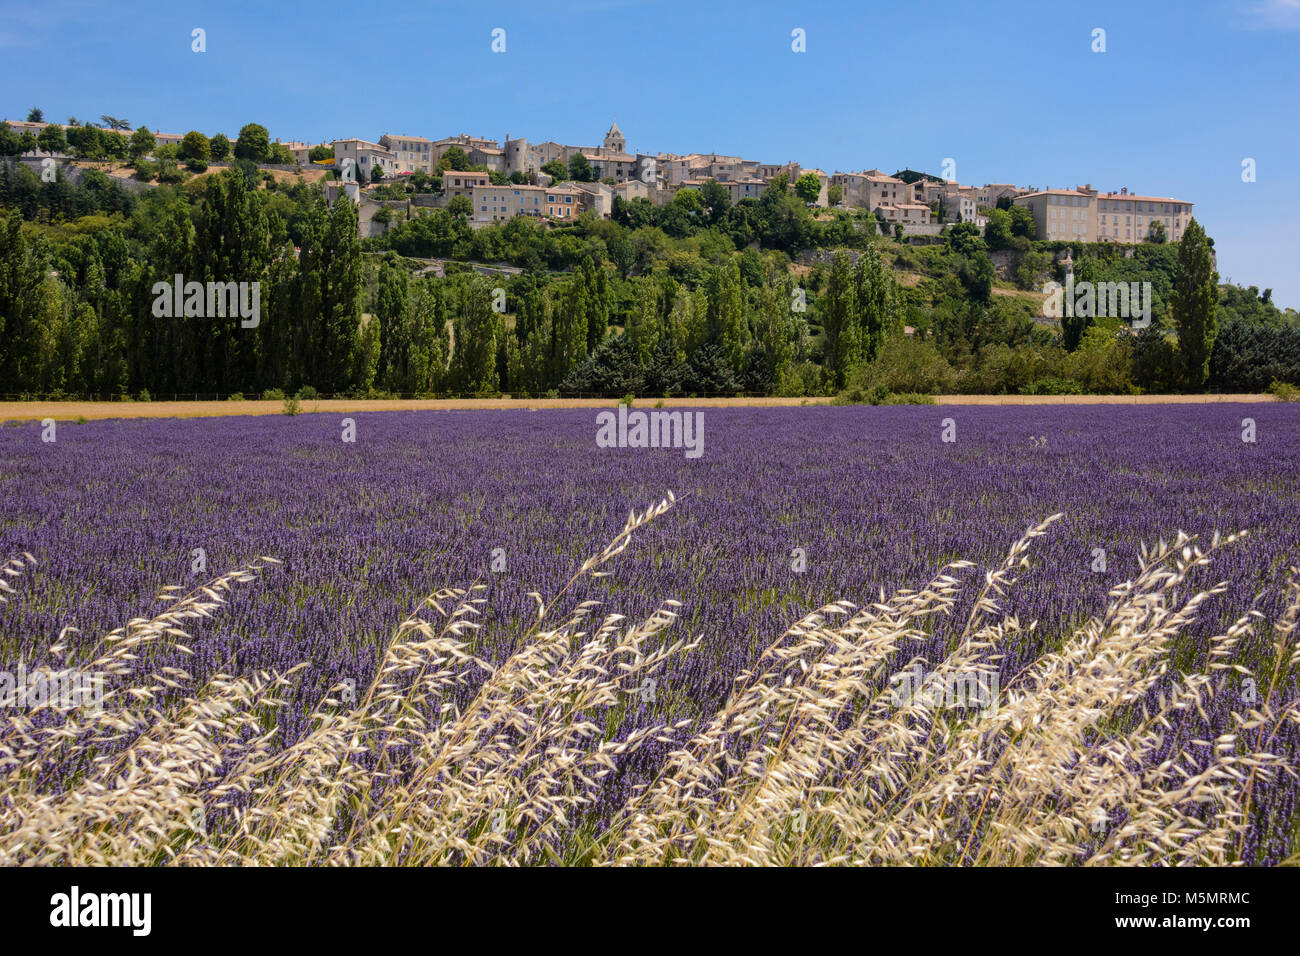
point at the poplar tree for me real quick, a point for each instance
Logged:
(1194, 305)
(838, 321)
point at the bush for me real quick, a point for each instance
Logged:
(909, 398)
(235, 397)
(144, 396)
(273, 395)
(290, 405)
(1284, 391)
(907, 365)
(875, 394)
(307, 392)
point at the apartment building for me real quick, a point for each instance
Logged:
(438, 148)
(301, 152)
(619, 166)
(908, 213)
(640, 189)
(791, 171)
(412, 153)
(363, 157)
(501, 203)
(1114, 211)
(957, 203)
(704, 166)
(456, 183)
(987, 196)
(490, 156)
(872, 188)
(564, 202)
(737, 189)
(611, 157)
(597, 198)
(1084, 214)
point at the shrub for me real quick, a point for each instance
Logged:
(875, 394)
(235, 397)
(144, 395)
(290, 405)
(307, 393)
(273, 395)
(907, 365)
(1284, 391)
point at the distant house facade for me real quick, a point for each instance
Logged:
(456, 183)
(411, 153)
(363, 158)
(1084, 214)
(501, 203)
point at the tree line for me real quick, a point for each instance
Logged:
(601, 307)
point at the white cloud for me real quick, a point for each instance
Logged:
(1273, 15)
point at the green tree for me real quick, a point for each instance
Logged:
(232, 243)
(580, 170)
(460, 206)
(876, 303)
(35, 115)
(253, 144)
(808, 187)
(716, 199)
(86, 141)
(455, 158)
(8, 140)
(1022, 221)
(842, 345)
(1194, 304)
(556, 170)
(51, 139)
(195, 146)
(143, 143)
(477, 331)
(726, 312)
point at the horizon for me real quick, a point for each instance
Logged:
(942, 83)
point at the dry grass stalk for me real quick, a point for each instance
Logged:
(814, 759)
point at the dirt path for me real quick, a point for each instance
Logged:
(70, 411)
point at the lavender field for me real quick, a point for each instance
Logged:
(785, 511)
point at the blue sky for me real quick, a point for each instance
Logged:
(1012, 91)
